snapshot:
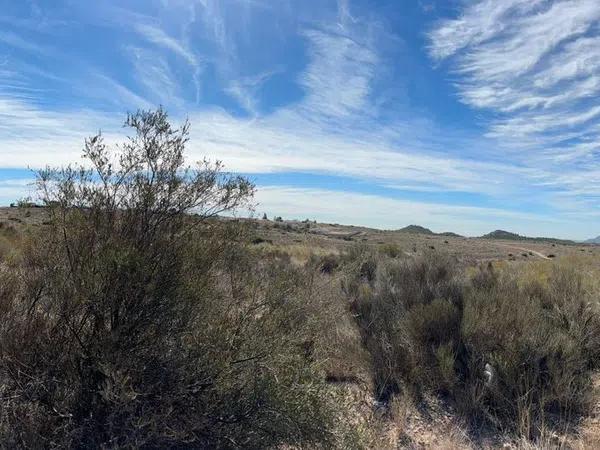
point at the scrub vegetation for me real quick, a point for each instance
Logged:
(135, 316)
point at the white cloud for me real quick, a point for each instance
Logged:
(534, 66)
(33, 137)
(155, 75)
(245, 89)
(480, 21)
(533, 61)
(105, 88)
(158, 36)
(337, 80)
(291, 142)
(15, 41)
(286, 141)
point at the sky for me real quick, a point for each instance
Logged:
(458, 115)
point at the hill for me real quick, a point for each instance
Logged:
(595, 240)
(501, 234)
(449, 234)
(416, 229)
(507, 235)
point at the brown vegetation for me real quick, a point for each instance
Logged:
(510, 350)
(133, 317)
(129, 323)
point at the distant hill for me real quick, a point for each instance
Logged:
(449, 234)
(595, 240)
(416, 229)
(502, 234)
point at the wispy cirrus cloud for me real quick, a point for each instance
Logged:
(15, 41)
(528, 60)
(106, 88)
(245, 89)
(289, 141)
(338, 77)
(155, 76)
(285, 142)
(159, 37)
(533, 65)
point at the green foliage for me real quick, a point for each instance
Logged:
(391, 250)
(130, 323)
(410, 311)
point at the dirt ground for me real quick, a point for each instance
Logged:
(334, 238)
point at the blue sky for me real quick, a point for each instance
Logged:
(458, 115)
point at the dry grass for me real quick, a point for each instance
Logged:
(10, 241)
(350, 367)
(536, 324)
(469, 251)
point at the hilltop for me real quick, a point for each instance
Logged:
(418, 229)
(501, 234)
(507, 235)
(595, 240)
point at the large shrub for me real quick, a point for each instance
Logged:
(132, 323)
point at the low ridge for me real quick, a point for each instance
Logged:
(508, 235)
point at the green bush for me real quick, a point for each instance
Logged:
(405, 315)
(130, 323)
(390, 250)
